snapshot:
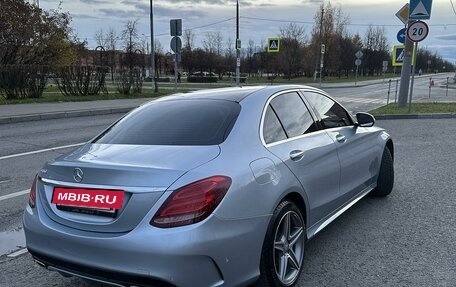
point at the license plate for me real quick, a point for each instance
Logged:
(102, 199)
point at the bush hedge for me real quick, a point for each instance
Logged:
(81, 80)
(198, 79)
(22, 81)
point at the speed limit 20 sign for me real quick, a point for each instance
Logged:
(417, 31)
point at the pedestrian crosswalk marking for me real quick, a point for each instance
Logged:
(400, 57)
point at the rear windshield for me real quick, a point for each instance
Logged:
(177, 122)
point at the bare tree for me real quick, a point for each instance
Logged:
(376, 39)
(293, 42)
(376, 49)
(330, 29)
(250, 57)
(101, 38)
(211, 43)
(189, 39)
(159, 58)
(130, 38)
(111, 41)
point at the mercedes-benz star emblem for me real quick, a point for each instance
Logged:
(78, 175)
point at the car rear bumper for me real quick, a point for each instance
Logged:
(214, 252)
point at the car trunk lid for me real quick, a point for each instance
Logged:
(135, 175)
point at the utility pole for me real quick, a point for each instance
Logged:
(320, 46)
(152, 49)
(238, 50)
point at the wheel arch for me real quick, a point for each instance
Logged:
(298, 199)
(390, 146)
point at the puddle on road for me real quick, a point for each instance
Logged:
(11, 240)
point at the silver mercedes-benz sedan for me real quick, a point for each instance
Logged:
(220, 187)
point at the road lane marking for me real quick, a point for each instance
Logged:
(18, 253)
(16, 194)
(40, 151)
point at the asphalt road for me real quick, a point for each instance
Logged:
(406, 239)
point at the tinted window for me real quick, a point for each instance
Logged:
(293, 114)
(272, 130)
(332, 114)
(180, 122)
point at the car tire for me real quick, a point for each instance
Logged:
(283, 249)
(385, 179)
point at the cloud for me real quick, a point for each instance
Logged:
(120, 13)
(446, 37)
(96, 2)
(83, 16)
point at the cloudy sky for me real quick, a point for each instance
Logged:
(260, 19)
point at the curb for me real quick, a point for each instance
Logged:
(60, 115)
(416, 116)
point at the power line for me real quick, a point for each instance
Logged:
(452, 5)
(203, 26)
(193, 28)
(277, 20)
(355, 24)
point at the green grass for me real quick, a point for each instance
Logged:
(417, 108)
(52, 95)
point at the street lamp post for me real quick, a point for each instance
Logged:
(238, 50)
(152, 48)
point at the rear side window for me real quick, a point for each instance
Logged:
(177, 122)
(287, 116)
(272, 130)
(331, 113)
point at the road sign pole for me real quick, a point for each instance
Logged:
(405, 73)
(175, 71)
(413, 76)
(356, 76)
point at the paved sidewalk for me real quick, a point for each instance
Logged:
(33, 112)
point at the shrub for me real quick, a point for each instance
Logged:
(130, 81)
(22, 81)
(198, 79)
(81, 80)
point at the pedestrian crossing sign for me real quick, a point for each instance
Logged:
(273, 45)
(398, 56)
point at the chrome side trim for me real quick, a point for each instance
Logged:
(339, 212)
(53, 268)
(96, 186)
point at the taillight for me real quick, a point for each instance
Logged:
(32, 195)
(192, 203)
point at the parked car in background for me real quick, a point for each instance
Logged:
(219, 187)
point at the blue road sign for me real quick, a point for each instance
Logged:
(401, 35)
(420, 9)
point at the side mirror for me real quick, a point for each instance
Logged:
(365, 120)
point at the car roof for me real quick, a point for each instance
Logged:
(235, 94)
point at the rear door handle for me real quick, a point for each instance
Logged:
(296, 155)
(341, 138)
